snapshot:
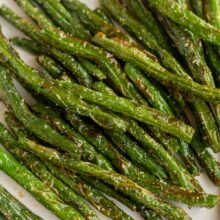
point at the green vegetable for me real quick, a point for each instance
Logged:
(96, 198)
(141, 113)
(136, 154)
(211, 134)
(103, 14)
(53, 68)
(211, 55)
(134, 150)
(92, 20)
(36, 125)
(92, 69)
(108, 190)
(55, 94)
(146, 17)
(49, 64)
(12, 209)
(63, 191)
(125, 185)
(146, 213)
(141, 33)
(161, 188)
(206, 160)
(126, 168)
(191, 50)
(106, 63)
(37, 188)
(48, 113)
(114, 73)
(89, 17)
(61, 15)
(124, 106)
(91, 194)
(156, 99)
(165, 139)
(63, 18)
(54, 120)
(147, 88)
(187, 19)
(169, 162)
(69, 61)
(197, 7)
(140, 58)
(211, 11)
(102, 87)
(213, 58)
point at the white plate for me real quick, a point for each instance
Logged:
(27, 199)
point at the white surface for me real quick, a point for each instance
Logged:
(28, 200)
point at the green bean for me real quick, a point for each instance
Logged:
(108, 190)
(54, 120)
(211, 134)
(126, 186)
(113, 67)
(213, 59)
(12, 209)
(95, 137)
(37, 83)
(69, 61)
(48, 63)
(139, 58)
(146, 17)
(91, 20)
(190, 50)
(165, 139)
(25, 178)
(127, 107)
(141, 33)
(88, 192)
(102, 87)
(77, 31)
(211, 13)
(211, 55)
(102, 13)
(145, 212)
(206, 160)
(133, 152)
(148, 89)
(61, 16)
(187, 19)
(197, 7)
(128, 169)
(37, 126)
(63, 191)
(102, 102)
(212, 10)
(157, 101)
(129, 147)
(92, 69)
(136, 154)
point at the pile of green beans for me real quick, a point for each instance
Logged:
(116, 95)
